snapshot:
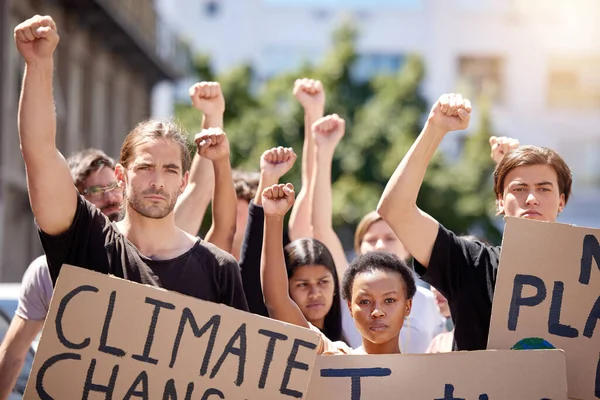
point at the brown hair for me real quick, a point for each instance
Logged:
(246, 184)
(84, 162)
(363, 227)
(155, 130)
(533, 155)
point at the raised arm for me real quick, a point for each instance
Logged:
(311, 96)
(398, 205)
(499, 146)
(193, 202)
(214, 145)
(277, 200)
(51, 191)
(274, 163)
(327, 133)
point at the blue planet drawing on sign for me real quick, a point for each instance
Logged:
(533, 343)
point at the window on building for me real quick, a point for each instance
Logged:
(574, 83)
(581, 154)
(211, 8)
(349, 3)
(481, 76)
(276, 59)
(371, 64)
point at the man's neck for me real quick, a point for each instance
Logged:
(154, 238)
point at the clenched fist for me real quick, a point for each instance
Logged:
(328, 131)
(450, 113)
(310, 95)
(500, 146)
(207, 97)
(213, 144)
(278, 199)
(277, 161)
(36, 39)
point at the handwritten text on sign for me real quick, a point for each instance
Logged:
(547, 293)
(482, 375)
(125, 340)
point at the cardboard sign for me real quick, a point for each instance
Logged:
(105, 337)
(476, 375)
(548, 295)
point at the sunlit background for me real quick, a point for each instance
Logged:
(531, 67)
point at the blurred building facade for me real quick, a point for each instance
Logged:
(538, 59)
(111, 54)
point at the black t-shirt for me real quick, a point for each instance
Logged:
(93, 242)
(464, 272)
(250, 259)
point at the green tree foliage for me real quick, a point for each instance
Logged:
(383, 118)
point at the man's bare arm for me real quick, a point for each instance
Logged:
(327, 133)
(214, 145)
(311, 96)
(13, 351)
(398, 205)
(51, 191)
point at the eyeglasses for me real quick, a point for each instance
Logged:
(97, 192)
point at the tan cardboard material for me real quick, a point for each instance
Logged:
(105, 335)
(548, 293)
(476, 375)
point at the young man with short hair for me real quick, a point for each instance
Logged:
(146, 246)
(529, 182)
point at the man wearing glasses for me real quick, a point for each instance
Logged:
(93, 173)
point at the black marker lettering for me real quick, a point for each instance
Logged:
(449, 393)
(355, 374)
(554, 325)
(39, 379)
(517, 301)
(61, 311)
(269, 354)
(293, 364)
(115, 351)
(212, 324)
(591, 249)
(170, 392)
(92, 387)
(151, 330)
(143, 379)
(240, 334)
(212, 392)
(590, 325)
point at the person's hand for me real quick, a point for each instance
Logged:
(36, 39)
(500, 146)
(450, 113)
(213, 144)
(276, 162)
(328, 131)
(207, 97)
(310, 95)
(278, 199)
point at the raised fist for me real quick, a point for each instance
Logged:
(500, 146)
(310, 94)
(451, 113)
(277, 161)
(278, 199)
(212, 143)
(328, 131)
(36, 38)
(208, 98)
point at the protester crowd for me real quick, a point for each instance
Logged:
(414, 287)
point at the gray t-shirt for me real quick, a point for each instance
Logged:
(36, 291)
